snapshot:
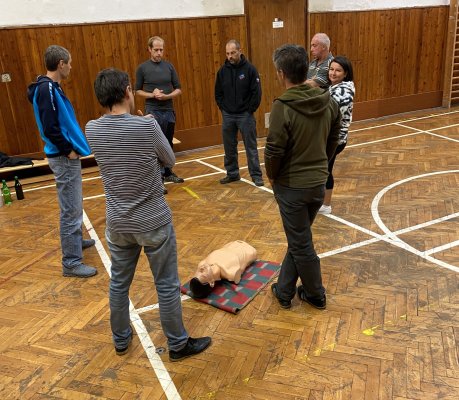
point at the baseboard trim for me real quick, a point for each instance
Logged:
(396, 105)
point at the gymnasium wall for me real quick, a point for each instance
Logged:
(398, 54)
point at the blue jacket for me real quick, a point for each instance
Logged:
(56, 119)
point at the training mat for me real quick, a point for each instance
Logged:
(232, 298)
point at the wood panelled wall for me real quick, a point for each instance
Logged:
(398, 57)
(195, 46)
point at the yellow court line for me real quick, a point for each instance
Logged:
(190, 192)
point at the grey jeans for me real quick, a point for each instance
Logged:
(161, 250)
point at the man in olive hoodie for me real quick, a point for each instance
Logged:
(303, 134)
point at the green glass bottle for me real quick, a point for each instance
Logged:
(6, 193)
(18, 189)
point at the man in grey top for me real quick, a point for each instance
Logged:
(318, 68)
(158, 82)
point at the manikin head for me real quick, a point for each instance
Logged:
(201, 285)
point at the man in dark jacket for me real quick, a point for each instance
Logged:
(64, 144)
(238, 95)
(303, 134)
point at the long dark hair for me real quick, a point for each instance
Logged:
(347, 67)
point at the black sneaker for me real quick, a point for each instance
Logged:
(283, 303)
(173, 178)
(258, 182)
(123, 350)
(317, 303)
(228, 179)
(192, 347)
(87, 243)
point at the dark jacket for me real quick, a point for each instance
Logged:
(303, 134)
(237, 87)
(56, 119)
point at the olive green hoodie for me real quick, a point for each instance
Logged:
(303, 134)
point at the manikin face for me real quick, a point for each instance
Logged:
(336, 73)
(233, 55)
(205, 275)
(157, 51)
(317, 48)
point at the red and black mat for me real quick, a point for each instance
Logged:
(233, 298)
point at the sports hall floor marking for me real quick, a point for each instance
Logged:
(156, 362)
(405, 120)
(150, 350)
(430, 131)
(397, 241)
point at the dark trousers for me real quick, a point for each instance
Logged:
(166, 121)
(298, 209)
(330, 180)
(245, 123)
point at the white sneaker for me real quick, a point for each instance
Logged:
(325, 209)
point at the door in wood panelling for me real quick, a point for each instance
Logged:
(271, 23)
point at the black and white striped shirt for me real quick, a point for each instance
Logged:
(129, 150)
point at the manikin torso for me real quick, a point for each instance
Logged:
(228, 262)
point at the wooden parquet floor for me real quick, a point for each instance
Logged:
(390, 263)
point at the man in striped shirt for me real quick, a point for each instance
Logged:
(129, 150)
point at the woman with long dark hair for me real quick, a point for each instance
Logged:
(342, 91)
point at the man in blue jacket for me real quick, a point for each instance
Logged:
(64, 144)
(238, 95)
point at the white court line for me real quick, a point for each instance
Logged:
(426, 224)
(418, 131)
(406, 120)
(383, 140)
(392, 235)
(429, 132)
(150, 350)
(446, 246)
(214, 156)
(54, 185)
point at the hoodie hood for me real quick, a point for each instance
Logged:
(306, 100)
(241, 62)
(40, 81)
